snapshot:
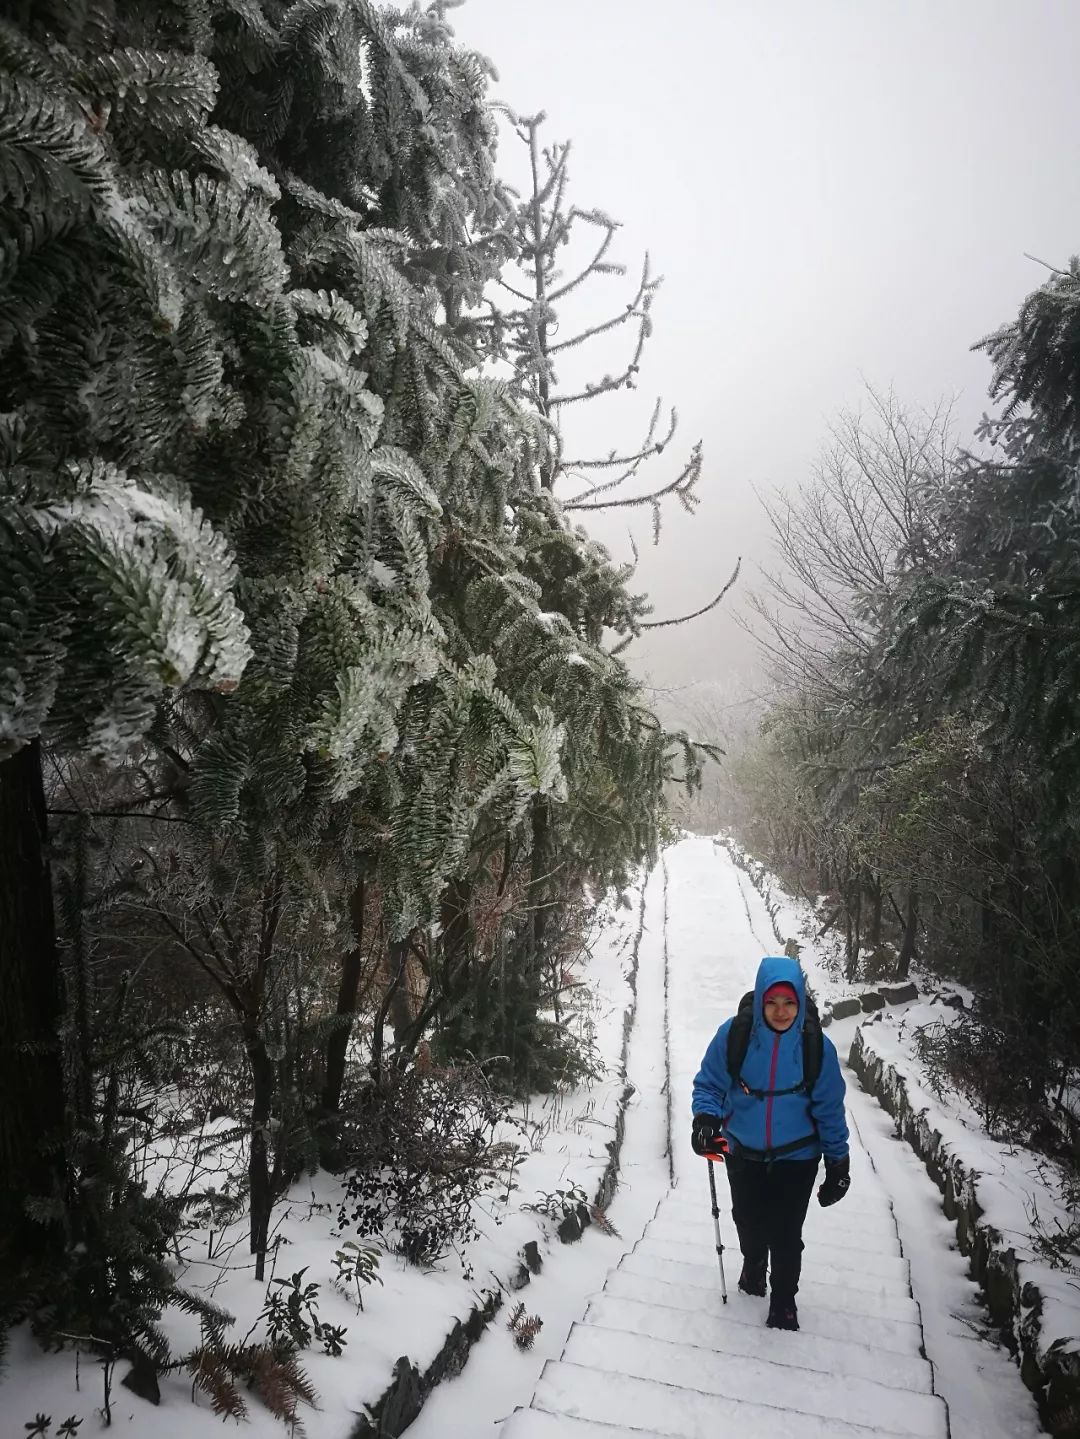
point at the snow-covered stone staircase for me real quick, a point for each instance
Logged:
(657, 1353)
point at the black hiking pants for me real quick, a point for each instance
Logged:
(769, 1203)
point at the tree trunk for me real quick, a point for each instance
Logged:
(458, 982)
(82, 1086)
(539, 878)
(911, 927)
(263, 1078)
(453, 985)
(457, 936)
(852, 942)
(877, 892)
(401, 1015)
(986, 917)
(397, 957)
(351, 970)
(857, 923)
(31, 1009)
(521, 991)
(543, 385)
(262, 1099)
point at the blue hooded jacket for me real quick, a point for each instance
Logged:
(775, 1061)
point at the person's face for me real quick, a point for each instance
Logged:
(781, 1011)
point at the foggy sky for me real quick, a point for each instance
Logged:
(836, 191)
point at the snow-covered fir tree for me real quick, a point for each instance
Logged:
(281, 583)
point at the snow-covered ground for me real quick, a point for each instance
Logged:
(410, 1313)
(1016, 1191)
(635, 1340)
(498, 1376)
(891, 1339)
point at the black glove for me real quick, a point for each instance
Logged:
(837, 1181)
(707, 1135)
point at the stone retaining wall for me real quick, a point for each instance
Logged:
(609, 1181)
(402, 1401)
(867, 1002)
(1051, 1372)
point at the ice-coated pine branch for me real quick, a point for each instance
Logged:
(696, 614)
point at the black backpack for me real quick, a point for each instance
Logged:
(738, 1042)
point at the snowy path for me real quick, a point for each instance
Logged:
(656, 1353)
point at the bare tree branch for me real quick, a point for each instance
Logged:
(696, 614)
(683, 481)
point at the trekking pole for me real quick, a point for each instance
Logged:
(717, 1159)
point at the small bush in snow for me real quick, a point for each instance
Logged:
(356, 1267)
(271, 1372)
(292, 1317)
(563, 1059)
(1057, 1242)
(603, 1222)
(524, 1327)
(420, 1151)
(1002, 1071)
(559, 1203)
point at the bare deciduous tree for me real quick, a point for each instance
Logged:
(844, 538)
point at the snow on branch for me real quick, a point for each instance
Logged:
(696, 614)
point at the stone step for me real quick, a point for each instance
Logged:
(866, 1192)
(886, 1263)
(867, 1197)
(724, 1334)
(898, 1337)
(744, 1380)
(866, 1183)
(878, 1237)
(536, 1424)
(825, 1295)
(868, 1229)
(815, 1270)
(665, 1409)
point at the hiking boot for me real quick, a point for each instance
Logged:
(782, 1314)
(752, 1279)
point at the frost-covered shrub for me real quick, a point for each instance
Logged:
(563, 1059)
(420, 1151)
(1002, 1071)
(879, 964)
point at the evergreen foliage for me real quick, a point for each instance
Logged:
(295, 638)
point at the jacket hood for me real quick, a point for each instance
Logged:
(778, 969)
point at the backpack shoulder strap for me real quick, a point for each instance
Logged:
(813, 1045)
(738, 1042)
(738, 1036)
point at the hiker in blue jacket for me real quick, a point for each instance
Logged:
(779, 1111)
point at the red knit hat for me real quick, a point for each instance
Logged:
(781, 988)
